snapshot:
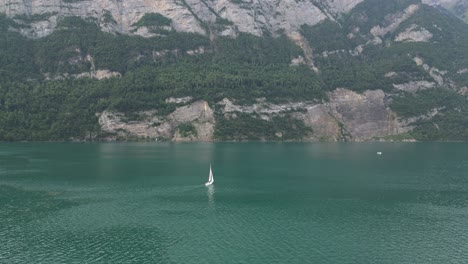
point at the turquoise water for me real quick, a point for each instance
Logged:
(271, 203)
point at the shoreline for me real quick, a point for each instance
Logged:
(229, 141)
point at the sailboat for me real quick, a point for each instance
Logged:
(210, 178)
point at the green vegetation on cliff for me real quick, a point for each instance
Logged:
(450, 110)
(360, 71)
(153, 19)
(187, 129)
(248, 127)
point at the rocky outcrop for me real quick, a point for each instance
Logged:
(99, 74)
(324, 124)
(347, 116)
(150, 125)
(297, 61)
(124, 13)
(435, 73)
(192, 15)
(414, 86)
(200, 115)
(429, 115)
(364, 116)
(390, 74)
(179, 100)
(118, 125)
(262, 107)
(340, 6)
(356, 117)
(188, 16)
(393, 21)
(463, 91)
(414, 33)
(302, 42)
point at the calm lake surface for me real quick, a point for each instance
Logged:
(270, 203)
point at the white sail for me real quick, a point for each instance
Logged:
(210, 178)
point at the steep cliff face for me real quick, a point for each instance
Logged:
(253, 17)
(364, 116)
(191, 122)
(348, 116)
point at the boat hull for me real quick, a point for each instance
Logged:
(208, 183)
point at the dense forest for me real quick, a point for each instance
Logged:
(40, 99)
(60, 108)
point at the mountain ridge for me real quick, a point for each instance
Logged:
(373, 70)
(252, 17)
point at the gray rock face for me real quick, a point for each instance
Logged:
(302, 42)
(253, 16)
(339, 6)
(125, 13)
(414, 34)
(364, 116)
(394, 21)
(266, 108)
(435, 73)
(463, 71)
(153, 126)
(323, 123)
(117, 124)
(414, 86)
(180, 100)
(99, 74)
(200, 115)
(347, 116)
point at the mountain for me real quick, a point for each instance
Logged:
(322, 70)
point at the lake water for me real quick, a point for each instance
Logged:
(270, 203)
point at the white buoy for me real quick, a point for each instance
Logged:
(379, 153)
